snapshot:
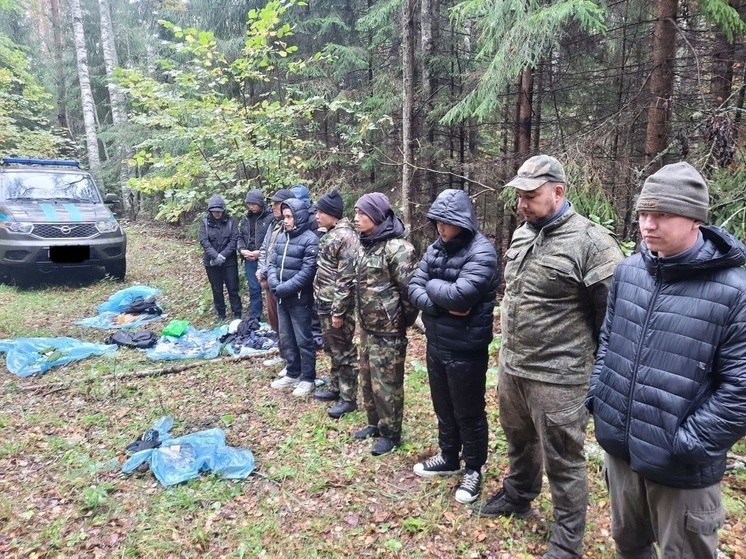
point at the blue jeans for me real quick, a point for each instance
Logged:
(296, 337)
(255, 290)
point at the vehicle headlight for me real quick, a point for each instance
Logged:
(107, 226)
(17, 226)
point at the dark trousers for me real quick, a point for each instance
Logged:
(255, 290)
(457, 388)
(227, 276)
(544, 425)
(296, 337)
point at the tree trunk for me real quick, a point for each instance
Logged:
(86, 95)
(54, 8)
(523, 123)
(118, 106)
(408, 46)
(661, 82)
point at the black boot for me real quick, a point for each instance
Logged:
(340, 408)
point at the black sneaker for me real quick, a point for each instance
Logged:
(366, 432)
(383, 446)
(340, 408)
(436, 466)
(326, 395)
(501, 505)
(470, 488)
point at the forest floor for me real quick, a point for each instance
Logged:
(315, 492)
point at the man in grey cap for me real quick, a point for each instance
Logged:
(557, 276)
(668, 391)
(268, 245)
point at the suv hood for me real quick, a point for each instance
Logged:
(54, 212)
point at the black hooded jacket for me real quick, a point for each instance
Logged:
(218, 236)
(460, 275)
(292, 264)
(668, 390)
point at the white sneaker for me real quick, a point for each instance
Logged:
(282, 373)
(271, 362)
(304, 388)
(285, 383)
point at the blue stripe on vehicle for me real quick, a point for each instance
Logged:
(74, 212)
(4, 217)
(50, 212)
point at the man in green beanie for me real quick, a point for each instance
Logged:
(668, 390)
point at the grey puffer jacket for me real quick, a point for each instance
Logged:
(460, 275)
(292, 264)
(668, 390)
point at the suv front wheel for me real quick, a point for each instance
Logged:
(117, 270)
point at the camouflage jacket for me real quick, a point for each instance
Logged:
(383, 270)
(335, 269)
(556, 284)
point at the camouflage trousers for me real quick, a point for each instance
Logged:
(339, 344)
(382, 381)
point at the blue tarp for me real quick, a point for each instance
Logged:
(110, 313)
(193, 344)
(27, 356)
(183, 458)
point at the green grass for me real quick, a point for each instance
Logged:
(316, 491)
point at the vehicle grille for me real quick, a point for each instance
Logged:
(65, 231)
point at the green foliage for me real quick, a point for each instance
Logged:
(205, 138)
(728, 193)
(513, 35)
(724, 16)
(24, 128)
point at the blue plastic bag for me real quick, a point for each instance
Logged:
(108, 320)
(193, 344)
(121, 299)
(27, 356)
(183, 458)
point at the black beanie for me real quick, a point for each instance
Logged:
(255, 196)
(676, 189)
(332, 204)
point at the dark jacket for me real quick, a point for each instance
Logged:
(218, 236)
(252, 228)
(292, 264)
(668, 390)
(461, 275)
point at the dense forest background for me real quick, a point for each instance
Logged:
(169, 101)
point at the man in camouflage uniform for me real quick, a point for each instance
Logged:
(384, 266)
(557, 277)
(332, 288)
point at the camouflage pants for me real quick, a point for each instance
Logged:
(340, 346)
(382, 381)
(544, 425)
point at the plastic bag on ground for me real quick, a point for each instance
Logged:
(27, 356)
(121, 299)
(193, 344)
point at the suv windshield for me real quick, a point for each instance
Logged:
(65, 187)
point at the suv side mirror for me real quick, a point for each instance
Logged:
(111, 198)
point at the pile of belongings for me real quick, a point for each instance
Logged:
(248, 336)
(128, 308)
(178, 459)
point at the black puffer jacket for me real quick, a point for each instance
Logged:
(253, 228)
(218, 236)
(461, 275)
(292, 264)
(668, 390)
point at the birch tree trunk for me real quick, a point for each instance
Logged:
(118, 106)
(407, 107)
(86, 95)
(54, 8)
